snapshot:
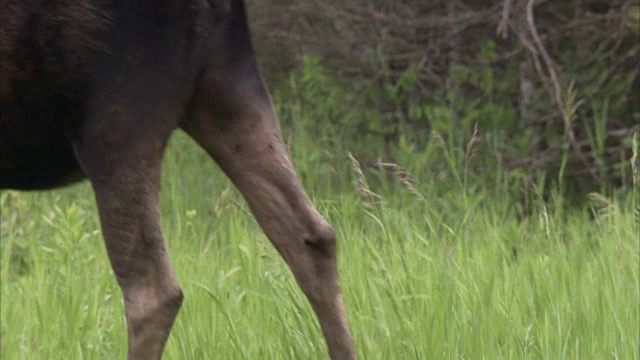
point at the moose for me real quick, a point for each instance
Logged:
(94, 89)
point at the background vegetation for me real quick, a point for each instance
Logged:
(486, 196)
(553, 86)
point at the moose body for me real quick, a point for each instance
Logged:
(94, 88)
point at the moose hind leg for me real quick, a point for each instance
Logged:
(125, 175)
(239, 130)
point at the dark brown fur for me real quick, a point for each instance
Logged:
(68, 23)
(94, 88)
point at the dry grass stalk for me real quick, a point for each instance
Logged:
(405, 178)
(371, 199)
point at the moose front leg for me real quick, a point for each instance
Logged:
(238, 128)
(122, 161)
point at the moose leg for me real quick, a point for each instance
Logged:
(238, 128)
(123, 165)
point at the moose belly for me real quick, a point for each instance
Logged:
(29, 162)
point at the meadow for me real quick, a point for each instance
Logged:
(435, 264)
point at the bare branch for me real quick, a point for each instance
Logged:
(557, 91)
(503, 26)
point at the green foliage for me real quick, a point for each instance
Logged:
(378, 119)
(16, 254)
(314, 104)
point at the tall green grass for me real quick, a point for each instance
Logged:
(444, 266)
